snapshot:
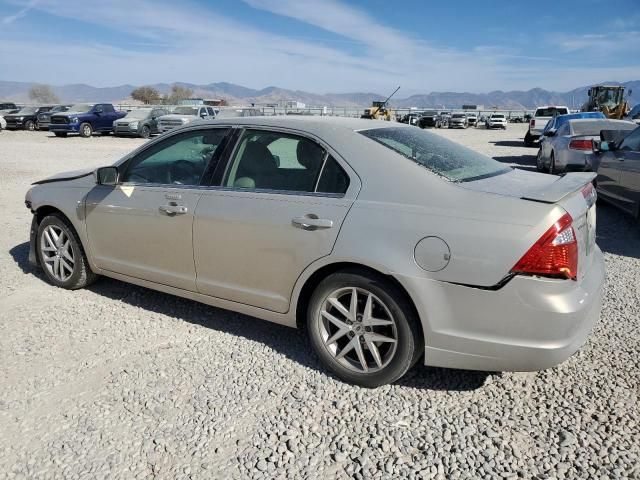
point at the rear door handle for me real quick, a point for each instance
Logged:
(311, 222)
(173, 209)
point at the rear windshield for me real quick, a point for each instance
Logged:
(551, 112)
(443, 157)
(593, 127)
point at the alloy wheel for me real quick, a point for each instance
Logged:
(57, 253)
(358, 330)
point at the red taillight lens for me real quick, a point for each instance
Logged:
(581, 145)
(554, 254)
(532, 123)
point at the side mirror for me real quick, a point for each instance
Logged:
(599, 146)
(550, 133)
(106, 175)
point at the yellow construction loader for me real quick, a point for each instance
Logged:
(608, 99)
(380, 110)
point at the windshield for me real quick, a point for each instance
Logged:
(81, 107)
(59, 108)
(497, 116)
(27, 111)
(457, 115)
(140, 113)
(443, 157)
(186, 111)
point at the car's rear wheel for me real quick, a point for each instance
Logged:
(552, 164)
(528, 140)
(85, 130)
(363, 329)
(30, 125)
(539, 161)
(145, 132)
(61, 254)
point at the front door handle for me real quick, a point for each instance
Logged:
(173, 209)
(311, 222)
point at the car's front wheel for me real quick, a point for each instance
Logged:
(85, 130)
(30, 125)
(61, 254)
(145, 131)
(363, 329)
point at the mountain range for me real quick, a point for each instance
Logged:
(239, 95)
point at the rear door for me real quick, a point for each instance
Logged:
(142, 227)
(278, 207)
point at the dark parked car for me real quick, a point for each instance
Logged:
(25, 119)
(85, 118)
(44, 118)
(618, 180)
(430, 118)
(140, 122)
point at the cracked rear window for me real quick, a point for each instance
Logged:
(443, 157)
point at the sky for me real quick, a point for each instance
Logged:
(323, 46)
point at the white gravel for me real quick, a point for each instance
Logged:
(122, 382)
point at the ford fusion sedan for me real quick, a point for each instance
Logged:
(570, 147)
(139, 122)
(387, 244)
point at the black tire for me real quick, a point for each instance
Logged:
(528, 140)
(60, 134)
(552, 164)
(82, 275)
(145, 131)
(86, 130)
(539, 165)
(409, 346)
(30, 125)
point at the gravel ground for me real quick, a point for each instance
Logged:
(118, 381)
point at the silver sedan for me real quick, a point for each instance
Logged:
(388, 244)
(569, 148)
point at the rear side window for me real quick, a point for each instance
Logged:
(439, 155)
(551, 112)
(632, 141)
(333, 178)
(283, 162)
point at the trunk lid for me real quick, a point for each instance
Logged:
(572, 191)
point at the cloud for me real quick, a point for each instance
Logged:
(159, 41)
(8, 20)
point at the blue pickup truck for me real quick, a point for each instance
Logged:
(84, 119)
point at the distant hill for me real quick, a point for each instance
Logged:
(237, 94)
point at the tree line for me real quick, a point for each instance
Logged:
(146, 94)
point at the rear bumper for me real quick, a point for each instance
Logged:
(529, 324)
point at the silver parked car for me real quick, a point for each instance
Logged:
(388, 243)
(570, 147)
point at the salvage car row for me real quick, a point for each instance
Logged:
(85, 119)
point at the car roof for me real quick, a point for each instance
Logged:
(312, 123)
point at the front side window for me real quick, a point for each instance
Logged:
(439, 155)
(179, 160)
(632, 141)
(283, 162)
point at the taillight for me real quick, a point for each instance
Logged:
(581, 145)
(532, 123)
(554, 254)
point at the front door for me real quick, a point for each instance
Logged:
(629, 167)
(280, 208)
(142, 227)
